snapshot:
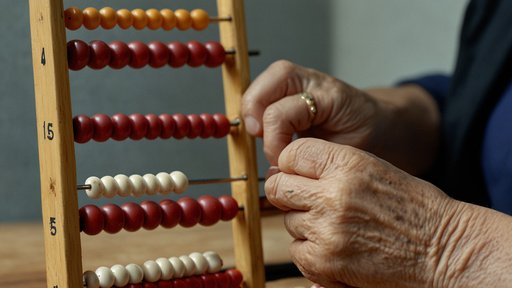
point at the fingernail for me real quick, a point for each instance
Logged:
(252, 126)
(272, 171)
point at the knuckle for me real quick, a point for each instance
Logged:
(284, 66)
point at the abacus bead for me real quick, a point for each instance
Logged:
(229, 207)
(194, 282)
(138, 285)
(111, 187)
(73, 18)
(97, 188)
(179, 54)
(222, 125)
(139, 126)
(159, 54)
(180, 283)
(121, 275)
(196, 126)
(114, 219)
(135, 272)
(200, 262)
(91, 219)
(168, 125)
(165, 284)
(152, 271)
(140, 19)
(152, 184)
(208, 125)
(200, 19)
(108, 18)
(99, 54)
(214, 261)
(139, 54)
(119, 54)
(211, 210)
(165, 267)
(184, 21)
(92, 18)
(154, 127)
(190, 266)
(78, 54)
(182, 125)
(83, 128)
(154, 19)
(124, 18)
(121, 127)
(149, 285)
(180, 181)
(102, 127)
(139, 185)
(216, 54)
(198, 54)
(236, 277)
(171, 213)
(223, 280)
(152, 215)
(133, 216)
(125, 185)
(209, 281)
(168, 19)
(91, 280)
(178, 266)
(166, 183)
(191, 212)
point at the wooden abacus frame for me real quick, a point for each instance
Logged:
(57, 155)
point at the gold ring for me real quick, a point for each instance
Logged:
(310, 101)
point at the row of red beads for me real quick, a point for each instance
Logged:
(98, 54)
(101, 127)
(231, 278)
(187, 212)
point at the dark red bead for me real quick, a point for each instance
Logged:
(83, 128)
(138, 285)
(209, 281)
(236, 277)
(102, 127)
(121, 127)
(78, 54)
(223, 280)
(216, 54)
(119, 54)
(222, 125)
(182, 126)
(171, 213)
(139, 125)
(180, 283)
(209, 125)
(91, 219)
(114, 218)
(150, 285)
(194, 282)
(178, 54)
(158, 54)
(133, 216)
(139, 53)
(165, 284)
(99, 54)
(152, 215)
(196, 126)
(154, 127)
(211, 210)
(229, 207)
(198, 54)
(191, 211)
(168, 126)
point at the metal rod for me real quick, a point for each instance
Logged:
(220, 19)
(250, 52)
(235, 122)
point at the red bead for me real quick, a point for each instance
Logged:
(180, 283)
(178, 55)
(182, 126)
(159, 54)
(191, 212)
(114, 218)
(102, 127)
(223, 280)
(229, 207)
(83, 128)
(138, 285)
(222, 125)
(216, 54)
(194, 282)
(121, 127)
(91, 219)
(154, 127)
(168, 125)
(209, 281)
(152, 215)
(99, 54)
(209, 125)
(198, 54)
(139, 53)
(211, 210)
(150, 285)
(78, 54)
(196, 126)
(165, 284)
(133, 216)
(139, 125)
(119, 54)
(171, 215)
(236, 277)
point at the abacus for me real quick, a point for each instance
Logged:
(63, 220)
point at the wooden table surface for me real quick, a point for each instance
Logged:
(22, 249)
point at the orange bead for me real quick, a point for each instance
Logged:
(92, 18)
(73, 18)
(140, 19)
(154, 19)
(168, 19)
(124, 18)
(184, 20)
(108, 18)
(200, 19)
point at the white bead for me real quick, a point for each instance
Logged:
(190, 266)
(125, 185)
(166, 268)
(135, 272)
(214, 261)
(139, 185)
(105, 276)
(97, 188)
(152, 271)
(180, 181)
(200, 262)
(179, 267)
(166, 183)
(120, 274)
(111, 187)
(91, 280)
(152, 183)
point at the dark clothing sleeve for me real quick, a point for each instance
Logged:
(437, 85)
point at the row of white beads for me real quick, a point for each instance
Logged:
(153, 271)
(136, 185)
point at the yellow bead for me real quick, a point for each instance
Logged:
(184, 20)
(73, 18)
(92, 18)
(168, 19)
(200, 19)
(124, 18)
(140, 19)
(108, 18)
(154, 19)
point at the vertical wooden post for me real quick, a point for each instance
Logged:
(241, 147)
(55, 141)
